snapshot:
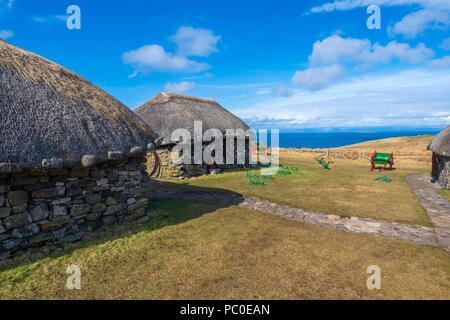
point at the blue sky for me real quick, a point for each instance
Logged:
(276, 64)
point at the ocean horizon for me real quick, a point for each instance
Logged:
(324, 140)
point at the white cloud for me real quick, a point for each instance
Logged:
(446, 44)
(179, 87)
(363, 53)
(417, 22)
(195, 42)
(283, 91)
(441, 63)
(417, 98)
(6, 34)
(49, 19)
(317, 78)
(329, 58)
(190, 42)
(433, 14)
(343, 5)
(155, 58)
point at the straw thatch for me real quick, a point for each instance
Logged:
(168, 111)
(441, 143)
(50, 116)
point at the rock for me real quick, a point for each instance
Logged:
(40, 212)
(112, 210)
(21, 208)
(2, 200)
(108, 220)
(14, 243)
(138, 213)
(38, 186)
(4, 188)
(98, 208)
(61, 201)
(131, 201)
(59, 211)
(80, 209)
(143, 220)
(26, 231)
(47, 193)
(40, 238)
(110, 201)
(99, 173)
(72, 238)
(2, 229)
(25, 180)
(17, 198)
(59, 234)
(4, 212)
(79, 172)
(93, 216)
(102, 182)
(93, 198)
(17, 220)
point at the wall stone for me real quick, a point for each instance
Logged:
(444, 172)
(43, 208)
(167, 170)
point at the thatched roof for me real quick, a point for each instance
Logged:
(49, 114)
(441, 143)
(167, 112)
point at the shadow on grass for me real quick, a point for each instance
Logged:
(162, 212)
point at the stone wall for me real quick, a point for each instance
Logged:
(167, 170)
(444, 172)
(39, 208)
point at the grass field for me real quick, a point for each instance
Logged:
(414, 144)
(209, 250)
(445, 193)
(348, 189)
(203, 250)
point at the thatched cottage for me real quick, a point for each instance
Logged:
(167, 112)
(440, 145)
(71, 156)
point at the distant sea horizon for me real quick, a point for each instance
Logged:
(335, 139)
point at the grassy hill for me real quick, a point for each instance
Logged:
(414, 144)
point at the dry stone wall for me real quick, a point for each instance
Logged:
(444, 172)
(167, 170)
(40, 208)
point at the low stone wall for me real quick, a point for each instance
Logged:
(444, 172)
(39, 208)
(167, 170)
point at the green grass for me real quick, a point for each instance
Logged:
(204, 250)
(445, 193)
(414, 143)
(348, 189)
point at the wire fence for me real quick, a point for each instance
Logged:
(336, 153)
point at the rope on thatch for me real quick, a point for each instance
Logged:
(441, 143)
(51, 117)
(168, 111)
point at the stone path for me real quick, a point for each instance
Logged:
(435, 204)
(412, 233)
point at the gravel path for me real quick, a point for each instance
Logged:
(435, 204)
(412, 233)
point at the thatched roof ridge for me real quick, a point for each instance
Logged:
(49, 114)
(441, 143)
(167, 112)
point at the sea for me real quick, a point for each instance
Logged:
(338, 139)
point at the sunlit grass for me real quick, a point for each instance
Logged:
(203, 250)
(348, 189)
